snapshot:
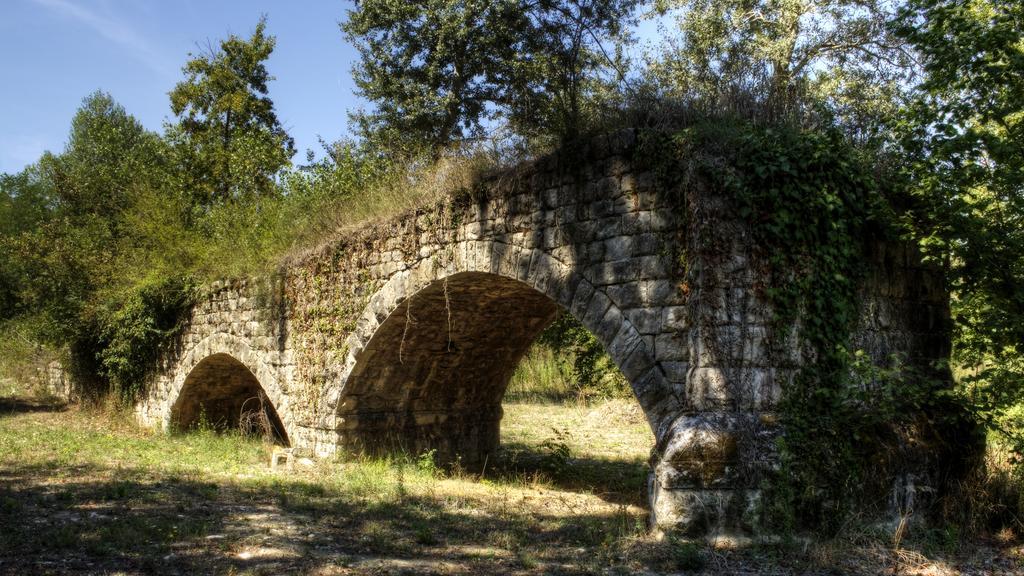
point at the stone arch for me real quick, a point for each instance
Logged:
(222, 375)
(470, 318)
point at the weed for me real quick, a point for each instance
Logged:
(557, 454)
(686, 555)
(427, 464)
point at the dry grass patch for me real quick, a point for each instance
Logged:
(417, 184)
(86, 492)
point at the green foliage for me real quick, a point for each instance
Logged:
(785, 57)
(809, 199)
(131, 336)
(426, 463)
(557, 455)
(686, 555)
(543, 375)
(228, 139)
(106, 241)
(24, 204)
(812, 202)
(962, 138)
(76, 248)
(441, 71)
(567, 362)
(594, 371)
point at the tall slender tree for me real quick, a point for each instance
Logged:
(229, 139)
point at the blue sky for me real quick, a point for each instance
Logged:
(53, 53)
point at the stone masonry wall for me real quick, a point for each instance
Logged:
(405, 333)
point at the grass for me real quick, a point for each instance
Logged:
(86, 491)
(543, 375)
(404, 187)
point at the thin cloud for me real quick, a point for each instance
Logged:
(112, 29)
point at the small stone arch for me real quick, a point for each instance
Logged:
(223, 378)
(470, 318)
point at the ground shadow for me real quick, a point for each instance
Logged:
(99, 520)
(614, 481)
(89, 519)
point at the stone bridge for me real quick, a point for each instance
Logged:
(405, 333)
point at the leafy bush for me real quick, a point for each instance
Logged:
(131, 336)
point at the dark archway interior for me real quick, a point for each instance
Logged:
(224, 394)
(434, 373)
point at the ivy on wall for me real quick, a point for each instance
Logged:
(811, 202)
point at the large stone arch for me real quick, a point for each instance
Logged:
(211, 357)
(425, 329)
(596, 232)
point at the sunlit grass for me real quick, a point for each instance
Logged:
(138, 495)
(86, 491)
(543, 375)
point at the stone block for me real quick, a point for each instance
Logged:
(671, 346)
(707, 389)
(608, 326)
(676, 318)
(675, 371)
(648, 320)
(623, 342)
(625, 295)
(651, 268)
(605, 228)
(581, 299)
(637, 363)
(566, 215)
(596, 309)
(563, 287)
(616, 166)
(662, 293)
(542, 268)
(618, 248)
(524, 261)
(551, 197)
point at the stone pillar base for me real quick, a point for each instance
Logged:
(706, 474)
(466, 438)
(704, 513)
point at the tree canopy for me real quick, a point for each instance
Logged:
(228, 137)
(441, 71)
(964, 136)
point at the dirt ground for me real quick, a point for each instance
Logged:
(86, 492)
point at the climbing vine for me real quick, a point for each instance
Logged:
(810, 203)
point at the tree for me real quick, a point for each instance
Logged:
(964, 137)
(70, 249)
(82, 250)
(785, 54)
(441, 71)
(24, 205)
(228, 137)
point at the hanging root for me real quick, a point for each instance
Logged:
(448, 309)
(405, 331)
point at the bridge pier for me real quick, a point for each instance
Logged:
(468, 437)
(706, 473)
